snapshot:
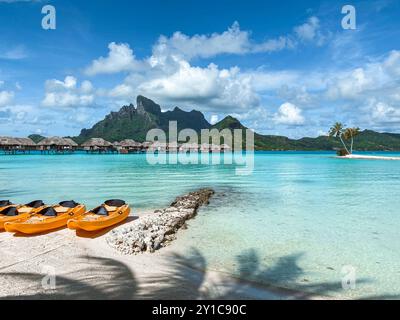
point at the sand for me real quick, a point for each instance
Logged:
(85, 267)
(366, 157)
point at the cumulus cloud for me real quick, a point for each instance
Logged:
(308, 31)
(209, 88)
(120, 58)
(183, 47)
(67, 93)
(232, 41)
(371, 79)
(289, 114)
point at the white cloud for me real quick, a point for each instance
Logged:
(16, 53)
(6, 98)
(369, 80)
(67, 93)
(209, 88)
(214, 119)
(232, 41)
(308, 31)
(289, 114)
(379, 113)
(120, 58)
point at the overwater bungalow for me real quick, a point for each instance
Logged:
(27, 144)
(158, 147)
(173, 147)
(57, 144)
(146, 145)
(14, 145)
(225, 147)
(215, 148)
(71, 143)
(130, 146)
(9, 144)
(98, 145)
(205, 147)
(189, 147)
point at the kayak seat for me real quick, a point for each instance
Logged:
(5, 203)
(10, 212)
(48, 212)
(100, 211)
(69, 204)
(35, 204)
(115, 203)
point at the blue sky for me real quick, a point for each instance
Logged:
(282, 67)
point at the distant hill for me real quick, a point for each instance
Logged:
(36, 138)
(134, 123)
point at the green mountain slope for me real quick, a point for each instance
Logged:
(134, 123)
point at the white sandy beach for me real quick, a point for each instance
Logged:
(87, 268)
(368, 157)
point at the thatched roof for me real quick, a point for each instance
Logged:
(9, 141)
(96, 142)
(26, 142)
(57, 141)
(129, 143)
(71, 142)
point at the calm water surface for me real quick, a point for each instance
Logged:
(295, 222)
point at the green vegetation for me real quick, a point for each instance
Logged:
(134, 123)
(36, 138)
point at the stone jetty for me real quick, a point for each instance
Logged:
(154, 231)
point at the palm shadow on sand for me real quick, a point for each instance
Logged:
(108, 279)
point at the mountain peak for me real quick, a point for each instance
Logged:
(145, 105)
(229, 122)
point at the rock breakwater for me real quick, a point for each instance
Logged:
(157, 230)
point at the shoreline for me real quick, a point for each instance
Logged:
(368, 157)
(89, 269)
(86, 267)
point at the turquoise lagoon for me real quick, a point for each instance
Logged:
(295, 222)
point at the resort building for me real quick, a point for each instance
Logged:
(173, 147)
(189, 147)
(14, 145)
(57, 144)
(158, 147)
(98, 145)
(130, 146)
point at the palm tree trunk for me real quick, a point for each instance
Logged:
(344, 145)
(352, 142)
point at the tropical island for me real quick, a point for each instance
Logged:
(125, 131)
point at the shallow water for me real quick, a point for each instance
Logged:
(295, 222)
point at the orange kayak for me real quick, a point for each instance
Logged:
(47, 219)
(108, 214)
(17, 213)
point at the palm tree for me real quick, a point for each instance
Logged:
(337, 131)
(350, 133)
